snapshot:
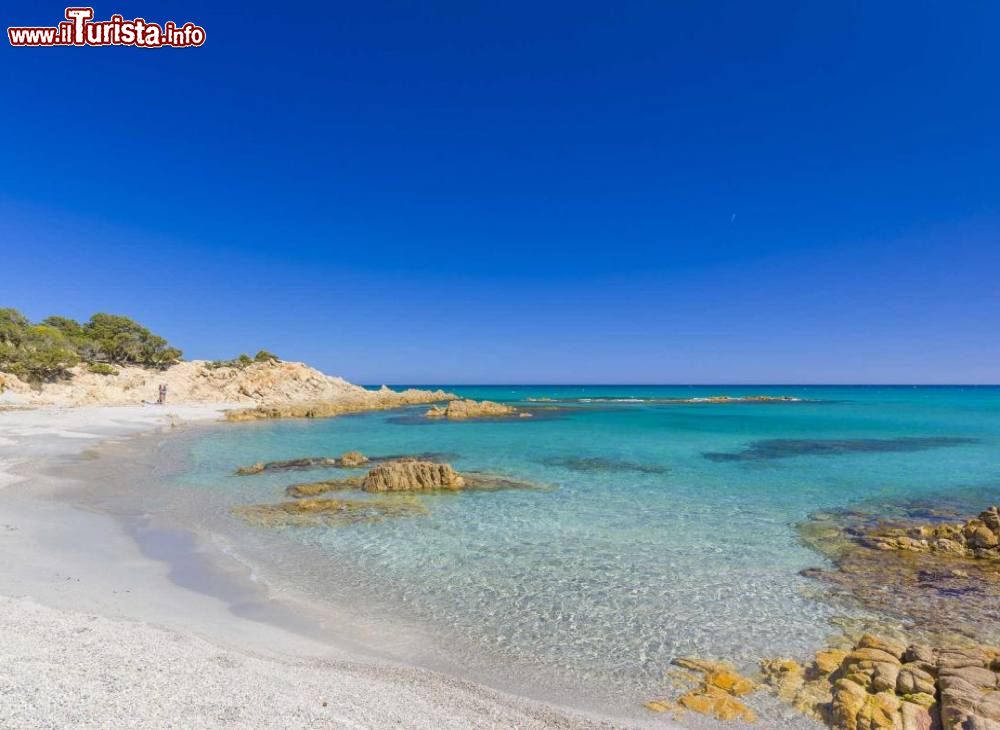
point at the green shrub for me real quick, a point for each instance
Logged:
(241, 362)
(101, 368)
(36, 353)
(265, 356)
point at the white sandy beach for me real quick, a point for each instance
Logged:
(96, 634)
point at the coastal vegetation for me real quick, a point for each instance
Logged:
(243, 360)
(45, 351)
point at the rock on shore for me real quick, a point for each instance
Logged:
(978, 538)
(884, 684)
(717, 686)
(460, 410)
(940, 592)
(275, 385)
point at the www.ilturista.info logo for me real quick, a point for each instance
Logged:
(80, 29)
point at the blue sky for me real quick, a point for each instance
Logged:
(523, 192)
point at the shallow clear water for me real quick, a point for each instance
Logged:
(668, 531)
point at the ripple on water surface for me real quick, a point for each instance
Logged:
(646, 549)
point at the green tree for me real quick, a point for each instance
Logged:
(265, 356)
(75, 333)
(13, 326)
(124, 341)
(43, 353)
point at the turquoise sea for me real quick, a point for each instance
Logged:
(665, 529)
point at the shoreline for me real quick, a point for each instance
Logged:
(78, 569)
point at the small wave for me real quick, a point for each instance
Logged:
(720, 399)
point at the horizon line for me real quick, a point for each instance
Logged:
(689, 385)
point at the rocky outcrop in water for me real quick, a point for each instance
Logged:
(978, 538)
(461, 410)
(348, 460)
(289, 465)
(314, 489)
(938, 592)
(411, 475)
(399, 475)
(884, 684)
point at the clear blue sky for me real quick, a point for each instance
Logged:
(523, 192)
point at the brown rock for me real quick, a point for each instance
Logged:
(829, 660)
(920, 653)
(717, 703)
(460, 410)
(309, 462)
(408, 475)
(885, 676)
(785, 676)
(991, 518)
(983, 537)
(978, 677)
(848, 700)
(351, 459)
(915, 717)
(956, 658)
(868, 654)
(731, 682)
(705, 666)
(662, 706)
(914, 680)
(890, 646)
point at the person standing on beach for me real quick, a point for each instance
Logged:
(163, 394)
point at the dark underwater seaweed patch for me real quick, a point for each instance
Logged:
(786, 448)
(600, 464)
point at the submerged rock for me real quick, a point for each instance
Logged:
(314, 489)
(715, 702)
(312, 462)
(768, 449)
(941, 592)
(329, 512)
(717, 687)
(602, 465)
(460, 410)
